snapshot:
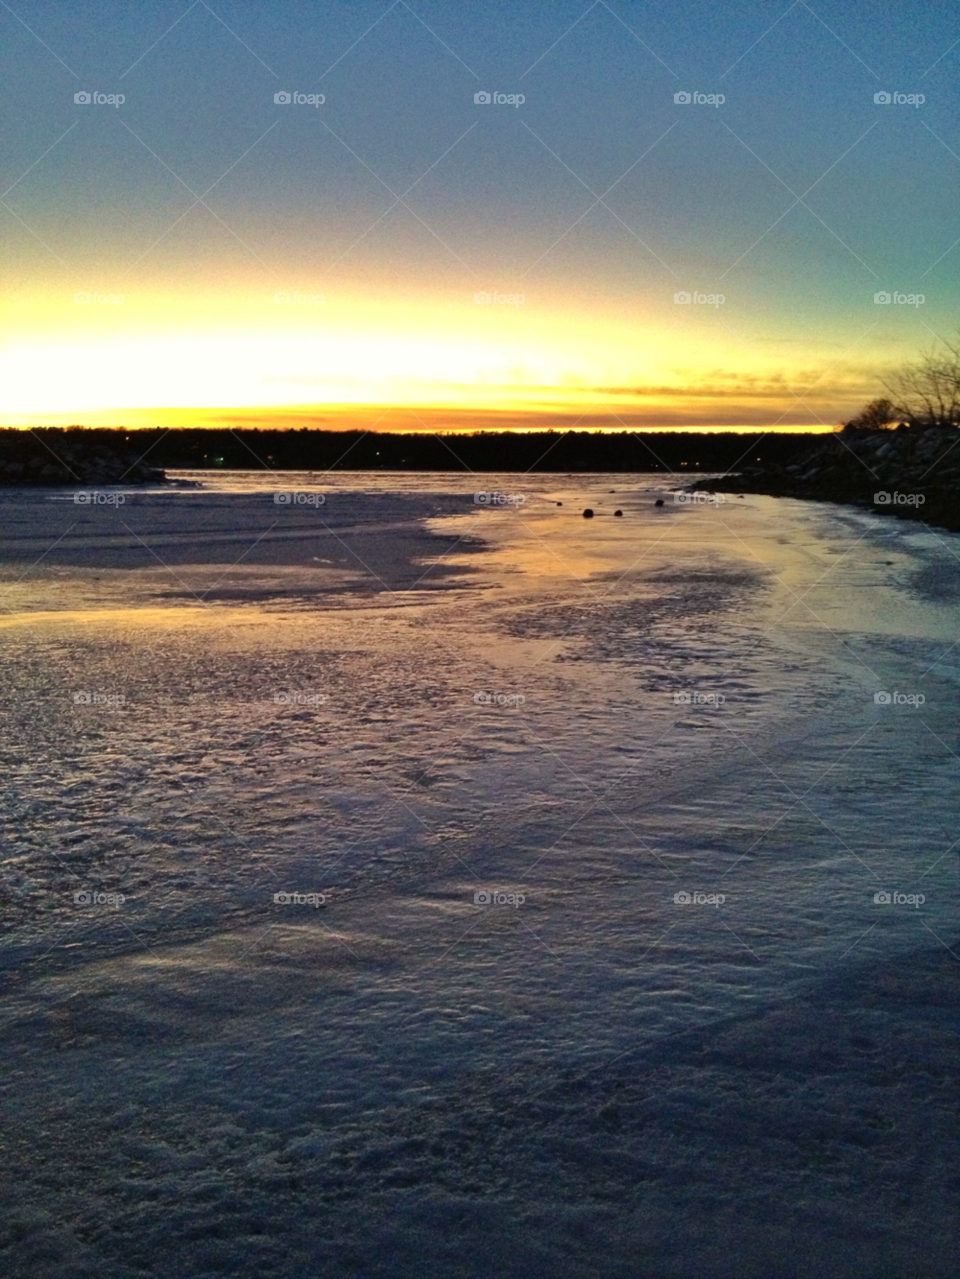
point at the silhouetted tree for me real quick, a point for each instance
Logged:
(927, 391)
(876, 415)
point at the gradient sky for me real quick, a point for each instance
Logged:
(400, 198)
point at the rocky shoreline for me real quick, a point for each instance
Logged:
(25, 458)
(911, 472)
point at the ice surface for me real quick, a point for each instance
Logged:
(598, 1080)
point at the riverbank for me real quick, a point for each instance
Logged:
(71, 457)
(910, 472)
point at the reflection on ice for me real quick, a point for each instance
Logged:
(672, 812)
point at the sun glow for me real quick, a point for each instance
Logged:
(141, 358)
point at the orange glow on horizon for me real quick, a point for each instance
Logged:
(440, 362)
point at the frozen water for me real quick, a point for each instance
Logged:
(597, 1079)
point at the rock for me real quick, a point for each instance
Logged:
(659, 502)
(922, 462)
(64, 458)
(618, 512)
(588, 514)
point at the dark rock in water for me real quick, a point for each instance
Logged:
(588, 514)
(659, 502)
(618, 512)
(559, 504)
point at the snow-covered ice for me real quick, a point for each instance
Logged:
(412, 704)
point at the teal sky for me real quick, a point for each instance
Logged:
(798, 198)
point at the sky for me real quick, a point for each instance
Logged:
(254, 261)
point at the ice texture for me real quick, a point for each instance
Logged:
(499, 742)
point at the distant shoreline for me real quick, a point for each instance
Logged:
(917, 469)
(53, 455)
